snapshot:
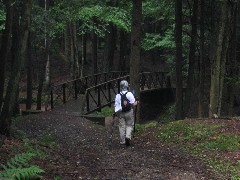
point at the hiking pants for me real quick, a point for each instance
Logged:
(126, 122)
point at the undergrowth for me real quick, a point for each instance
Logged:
(19, 167)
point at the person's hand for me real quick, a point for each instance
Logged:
(135, 103)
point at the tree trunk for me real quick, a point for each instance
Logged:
(202, 61)
(218, 57)
(84, 39)
(94, 53)
(71, 56)
(76, 55)
(192, 47)
(29, 74)
(40, 84)
(232, 61)
(109, 48)
(8, 107)
(123, 51)
(136, 49)
(6, 34)
(179, 59)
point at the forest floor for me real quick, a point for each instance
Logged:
(76, 148)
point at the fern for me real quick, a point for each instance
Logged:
(19, 167)
(22, 173)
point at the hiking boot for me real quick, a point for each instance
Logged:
(122, 143)
(127, 141)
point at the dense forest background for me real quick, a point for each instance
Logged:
(50, 41)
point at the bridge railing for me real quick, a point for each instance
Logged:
(102, 95)
(62, 92)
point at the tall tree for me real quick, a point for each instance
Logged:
(123, 50)
(18, 64)
(191, 58)
(109, 43)
(202, 60)
(94, 53)
(232, 65)
(5, 45)
(220, 42)
(135, 47)
(179, 59)
(29, 74)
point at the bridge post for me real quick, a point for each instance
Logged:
(109, 94)
(168, 82)
(87, 98)
(118, 85)
(105, 80)
(51, 99)
(99, 99)
(142, 81)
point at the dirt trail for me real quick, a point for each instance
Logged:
(84, 152)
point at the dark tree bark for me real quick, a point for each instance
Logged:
(84, 39)
(192, 47)
(75, 46)
(202, 61)
(109, 48)
(179, 59)
(123, 51)
(29, 74)
(136, 48)
(7, 110)
(6, 34)
(94, 53)
(232, 61)
(220, 42)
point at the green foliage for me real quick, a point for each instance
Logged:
(184, 131)
(224, 142)
(206, 138)
(152, 41)
(224, 169)
(19, 167)
(106, 111)
(104, 16)
(140, 128)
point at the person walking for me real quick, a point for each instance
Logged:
(124, 104)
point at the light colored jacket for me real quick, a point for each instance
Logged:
(117, 105)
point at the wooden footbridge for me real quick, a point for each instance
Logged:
(99, 90)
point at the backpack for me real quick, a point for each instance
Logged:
(126, 105)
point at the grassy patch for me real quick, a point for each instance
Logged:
(106, 111)
(140, 128)
(179, 131)
(224, 142)
(205, 140)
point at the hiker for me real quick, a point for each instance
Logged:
(124, 104)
